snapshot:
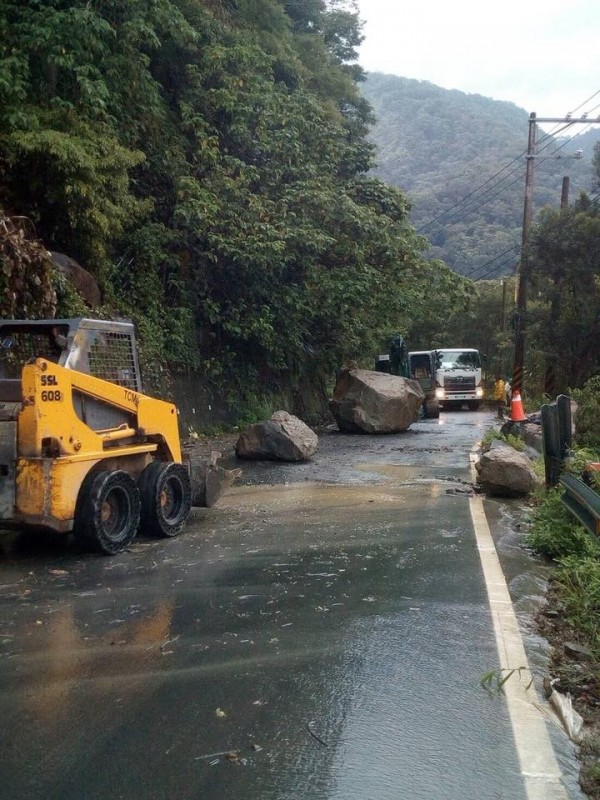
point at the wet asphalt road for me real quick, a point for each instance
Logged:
(320, 634)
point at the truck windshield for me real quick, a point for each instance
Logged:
(459, 359)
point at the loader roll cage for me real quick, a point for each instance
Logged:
(103, 349)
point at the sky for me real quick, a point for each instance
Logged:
(542, 55)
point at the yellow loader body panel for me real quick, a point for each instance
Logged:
(81, 446)
(48, 413)
(58, 449)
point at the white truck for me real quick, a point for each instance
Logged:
(458, 377)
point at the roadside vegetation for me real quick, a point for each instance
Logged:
(573, 612)
(209, 162)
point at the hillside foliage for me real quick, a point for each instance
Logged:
(211, 163)
(461, 160)
(207, 161)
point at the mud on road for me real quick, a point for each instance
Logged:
(438, 444)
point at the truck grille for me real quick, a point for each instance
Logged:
(459, 384)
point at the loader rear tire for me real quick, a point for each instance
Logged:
(166, 495)
(108, 511)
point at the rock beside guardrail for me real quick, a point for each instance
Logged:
(505, 472)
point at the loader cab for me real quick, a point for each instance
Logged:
(23, 341)
(99, 348)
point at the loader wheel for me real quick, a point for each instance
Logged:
(108, 511)
(166, 495)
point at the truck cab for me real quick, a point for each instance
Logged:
(458, 377)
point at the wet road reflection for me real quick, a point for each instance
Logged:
(311, 640)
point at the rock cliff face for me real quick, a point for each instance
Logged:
(83, 281)
(375, 402)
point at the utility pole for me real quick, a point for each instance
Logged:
(522, 269)
(521, 299)
(564, 195)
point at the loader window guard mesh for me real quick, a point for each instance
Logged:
(100, 351)
(19, 347)
(111, 358)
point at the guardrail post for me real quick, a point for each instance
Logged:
(563, 408)
(556, 436)
(551, 444)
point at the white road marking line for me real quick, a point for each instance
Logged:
(537, 759)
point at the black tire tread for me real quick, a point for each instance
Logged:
(150, 482)
(88, 528)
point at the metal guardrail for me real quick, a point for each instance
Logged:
(556, 436)
(581, 500)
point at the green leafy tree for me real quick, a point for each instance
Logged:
(566, 316)
(209, 163)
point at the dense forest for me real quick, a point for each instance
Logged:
(461, 160)
(210, 163)
(207, 161)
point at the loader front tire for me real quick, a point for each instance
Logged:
(108, 511)
(166, 495)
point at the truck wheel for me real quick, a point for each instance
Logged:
(432, 409)
(108, 511)
(166, 495)
(473, 405)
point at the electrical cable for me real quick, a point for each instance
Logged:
(491, 260)
(549, 135)
(585, 102)
(493, 270)
(457, 206)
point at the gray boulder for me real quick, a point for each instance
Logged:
(530, 431)
(374, 402)
(83, 281)
(505, 472)
(282, 438)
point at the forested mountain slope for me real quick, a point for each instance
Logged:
(448, 150)
(208, 162)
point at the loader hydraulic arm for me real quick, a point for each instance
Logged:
(54, 410)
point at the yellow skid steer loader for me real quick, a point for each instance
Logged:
(82, 449)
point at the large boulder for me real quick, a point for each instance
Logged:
(375, 402)
(505, 472)
(282, 438)
(83, 281)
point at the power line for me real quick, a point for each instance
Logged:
(492, 260)
(550, 135)
(584, 103)
(487, 195)
(466, 197)
(493, 270)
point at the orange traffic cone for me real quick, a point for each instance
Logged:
(517, 413)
